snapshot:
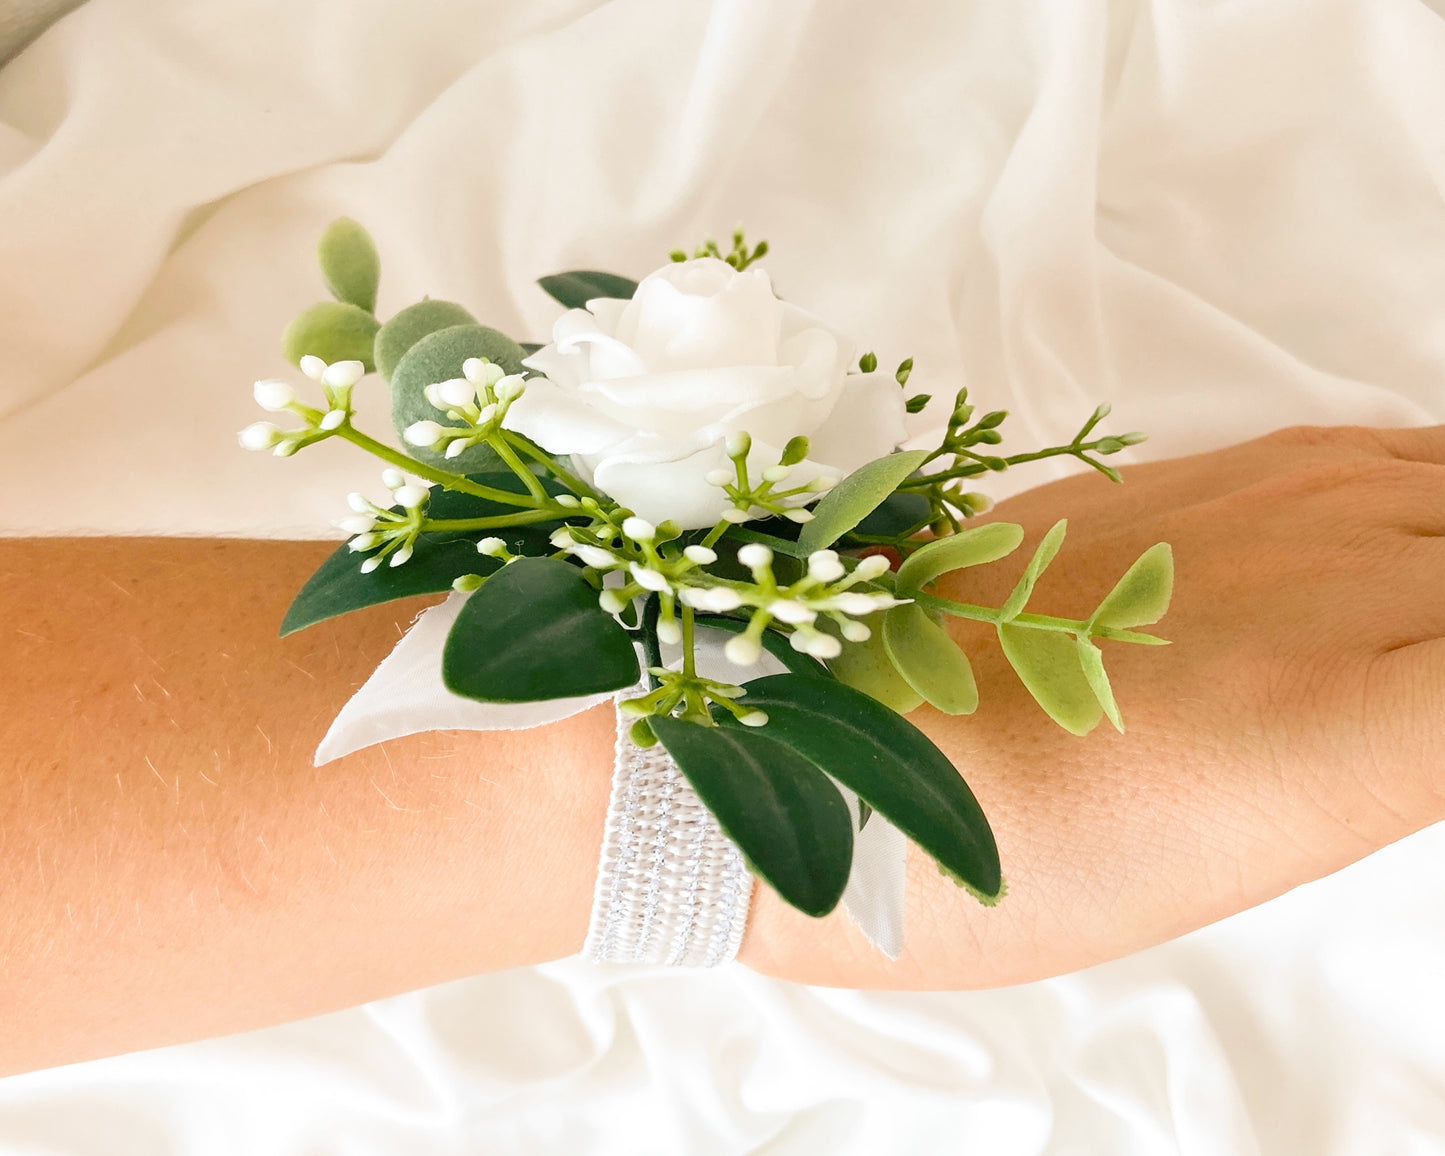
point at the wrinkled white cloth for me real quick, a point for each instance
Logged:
(1223, 218)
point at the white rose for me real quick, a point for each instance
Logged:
(643, 393)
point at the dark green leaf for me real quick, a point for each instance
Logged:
(888, 763)
(789, 821)
(899, 514)
(349, 263)
(918, 402)
(1043, 555)
(412, 324)
(1142, 595)
(332, 331)
(577, 288)
(439, 356)
(929, 660)
(855, 497)
(533, 632)
(1047, 663)
(975, 547)
(339, 586)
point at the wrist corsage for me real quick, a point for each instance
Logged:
(692, 484)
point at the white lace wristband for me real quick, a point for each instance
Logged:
(671, 887)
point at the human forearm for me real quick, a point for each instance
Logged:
(171, 864)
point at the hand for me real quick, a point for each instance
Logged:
(1290, 728)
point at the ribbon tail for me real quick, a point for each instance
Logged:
(876, 884)
(405, 695)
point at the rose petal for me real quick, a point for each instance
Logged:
(561, 421)
(866, 423)
(659, 490)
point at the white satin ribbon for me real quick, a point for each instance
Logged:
(405, 696)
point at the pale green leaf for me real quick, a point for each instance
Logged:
(332, 331)
(1047, 663)
(1043, 555)
(866, 666)
(1142, 596)
(855, 497)
(1092, 663)
(349, 263)
(929, 660)
(974, 547)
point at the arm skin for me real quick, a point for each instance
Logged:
(172, 867)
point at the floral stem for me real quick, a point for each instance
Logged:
(688, 667)
(462, 525)
(1035, 621)
(446, 480)
(528, 478)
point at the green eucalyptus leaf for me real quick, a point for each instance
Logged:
(412, 324)
(580, 286)
(438, 559)
(1047, 663)
(866, 666)
(332, 331)
(1043, 555)
(1092, 664)
(889, 763)
(349, 263)
(534, 632)
(975, 547)
(1142, 595)
(439, 356)
(785, 816)
(929, 660)
(855, 497)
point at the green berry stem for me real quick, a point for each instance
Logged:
(1036, 621)
(448, 481)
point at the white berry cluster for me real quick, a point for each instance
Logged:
(375, 526)
(275, 396)
(479, 399)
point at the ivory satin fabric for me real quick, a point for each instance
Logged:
(1223, 217)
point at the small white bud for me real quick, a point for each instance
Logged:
(791, 611)
(333, 419)
(370, 564)
(358, 502)
(287, 446)
(562, 538)
(487, 413)
(392, 478)
(755, 556)
(455, 448)
(510, 387)
(567, 501)
(422, 433)
(738, 443)
(648, 578)
(719, 477)
(433, 396)
(411, 497)
(872, 567)
(669, 631)
(821, 645)
(825, 566)
(480, 372)
(363, 542)
(734, 515)
(798, 640)
(754, 718)
(798, 515)
(721, 599)
(778, 473)
(467, 583)
(595, 556)
(355, 524)
(400, 556)
(612, 602)
(850, 602)
(822, 483)
(313, 367)
(272, 395)
(700, 554)
(492, 547)
(259, 435)
(742, 650)
(457, 392)
(639, 529)
(856, 631)
(342, 374)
